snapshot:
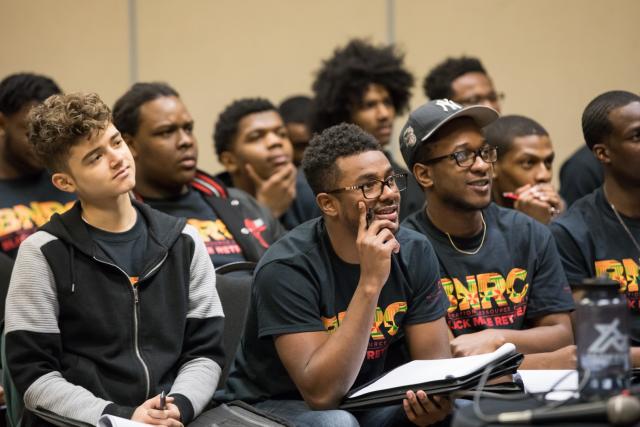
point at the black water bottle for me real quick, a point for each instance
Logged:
(602, 338)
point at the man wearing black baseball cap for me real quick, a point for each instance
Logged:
(499, 267)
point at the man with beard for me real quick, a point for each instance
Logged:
(499, 267)
(27, 196)
(253, 145)
(309, 337)
(368, 86)
(599, 234)
(157, 126)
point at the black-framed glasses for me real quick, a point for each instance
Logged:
(465, 158)
(492, 97)
(374, 188)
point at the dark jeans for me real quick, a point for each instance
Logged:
(297, 412)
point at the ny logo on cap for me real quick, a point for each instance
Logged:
(445, 104)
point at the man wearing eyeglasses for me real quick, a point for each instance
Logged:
(332, 296)
(499, 267)
(463, 80)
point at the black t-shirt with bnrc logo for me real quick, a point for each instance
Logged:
(515, 277)
(592, 242)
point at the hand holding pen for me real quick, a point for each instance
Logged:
(539, 201)
(159, 410)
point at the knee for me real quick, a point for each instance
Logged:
(332, 418)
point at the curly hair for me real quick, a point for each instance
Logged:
(126, 110)
(344, 78)
(226, 127)
(595, 119)
(437, 84)
(505, 129)
(18, 90)
(61, 121)
(319, 161)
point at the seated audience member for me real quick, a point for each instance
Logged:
(27, 196)
(368, 86)
(463, 80)
(522, 173)
(500, 268)
(580, 175)
(599, 233)
(111, 302)
(159, 130)
(309, 337)
(295, 112)
(253, 145)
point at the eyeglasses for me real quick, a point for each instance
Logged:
(480, 99)
(465, 158)
(374, 188)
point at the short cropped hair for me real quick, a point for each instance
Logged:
(295, 109)
(126, 110)
(18, 90)
(505, 129)
(226, 128)
(61, 122)
(344, 78)
(319, 161)
(437, 84)
(595, 119)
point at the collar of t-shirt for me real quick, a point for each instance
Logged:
(464, 243)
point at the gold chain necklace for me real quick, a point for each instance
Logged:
(484, 234)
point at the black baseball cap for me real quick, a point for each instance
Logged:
(428, 118)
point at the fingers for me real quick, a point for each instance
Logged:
(422, 409)
(362, 223)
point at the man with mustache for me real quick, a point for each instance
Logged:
(253, 145)
(499, 267)
(309, 337)
(158, 128)
(368, 86)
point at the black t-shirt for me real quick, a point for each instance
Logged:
(125, 249)
(220, 243)
(580, 174)
(303, 207)
(514, 278)
(26, 203)
(302, 286)
(591, 241)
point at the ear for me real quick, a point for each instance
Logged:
(423, 175)
(3, 124)
(131, 142)
(328, 204)
(229, 161)
(64, 182)
(496, 170)
(601, 151)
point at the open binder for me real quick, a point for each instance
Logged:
(440, 376)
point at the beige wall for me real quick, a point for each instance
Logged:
(550, 57)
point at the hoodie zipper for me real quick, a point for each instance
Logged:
(136, 312)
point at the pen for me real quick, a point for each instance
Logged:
(510, 195)
(163, 400)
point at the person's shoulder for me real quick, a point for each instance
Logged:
(576, 215)
(414, 221)
(303, 241)
(513, 222)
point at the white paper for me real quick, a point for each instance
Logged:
(563, 381)
(422, 371)
(113, 421)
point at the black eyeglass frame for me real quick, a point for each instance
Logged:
(489, 149)
(384, 182)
